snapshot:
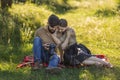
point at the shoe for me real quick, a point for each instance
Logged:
(53, 69)
(109, 65)
(37, 66)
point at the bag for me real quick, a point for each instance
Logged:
(72, 51)
(84, 48)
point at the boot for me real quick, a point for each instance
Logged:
(109, 65)
(53, 69)
(37, 66)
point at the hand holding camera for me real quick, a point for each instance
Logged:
(46, 46)
(50, 48)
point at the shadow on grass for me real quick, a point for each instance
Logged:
(116, 72)
(9, 75)
(105, 13)
(101, 73)
(61, 9)
(56, 7)
(82, 73)
(16, 55)
(65, 74)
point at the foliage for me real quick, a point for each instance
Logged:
(6, 3)
(18, 26)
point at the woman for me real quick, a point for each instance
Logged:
(73, 54)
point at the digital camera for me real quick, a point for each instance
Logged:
(52, 49)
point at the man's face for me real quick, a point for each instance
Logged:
(62, 29)
(52, 29)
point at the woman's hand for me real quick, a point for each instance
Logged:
(63, 46)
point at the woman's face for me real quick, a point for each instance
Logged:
(62, 29)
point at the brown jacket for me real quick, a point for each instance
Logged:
(45, 35)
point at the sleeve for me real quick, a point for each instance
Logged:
(71, 32)
(38, 33)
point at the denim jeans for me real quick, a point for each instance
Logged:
(41, 55)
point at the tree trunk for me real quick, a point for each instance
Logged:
(3, 4)
(6, 3)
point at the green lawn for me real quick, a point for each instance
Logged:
(97, 25)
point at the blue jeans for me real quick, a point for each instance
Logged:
(42, 55)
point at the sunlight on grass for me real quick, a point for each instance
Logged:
(85, 75)
(4, 66)
(32, 9)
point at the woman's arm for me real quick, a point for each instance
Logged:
(65, 43)
(57, 41)
(70, 34)
(61, 54)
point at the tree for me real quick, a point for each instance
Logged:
(6, 3)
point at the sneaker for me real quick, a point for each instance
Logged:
(53, 69)
(109, 65)
(37, 66)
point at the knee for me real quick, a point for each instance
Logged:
(37, 41)
(37, 38)
(55, 57)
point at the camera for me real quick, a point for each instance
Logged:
(52, 49)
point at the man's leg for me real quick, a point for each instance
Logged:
(54, 61)
(53, 64)
(37, 50)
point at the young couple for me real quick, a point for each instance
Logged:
(55, 35)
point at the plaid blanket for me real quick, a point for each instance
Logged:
(29, 61)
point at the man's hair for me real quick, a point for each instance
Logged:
(53, 20)
(63, 23)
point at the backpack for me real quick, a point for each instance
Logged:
(72, 51)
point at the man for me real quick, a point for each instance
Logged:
(44, 44)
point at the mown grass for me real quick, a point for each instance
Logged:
(97, 25)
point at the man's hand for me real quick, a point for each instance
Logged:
(46, 46)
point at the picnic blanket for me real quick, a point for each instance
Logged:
(29, 61)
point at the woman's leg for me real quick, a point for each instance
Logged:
(96, 61)
(91, 62)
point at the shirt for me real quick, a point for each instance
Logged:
(62, 36)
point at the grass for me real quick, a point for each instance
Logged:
(96, 27)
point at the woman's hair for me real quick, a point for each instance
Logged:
(63, 23)
(53, 20)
